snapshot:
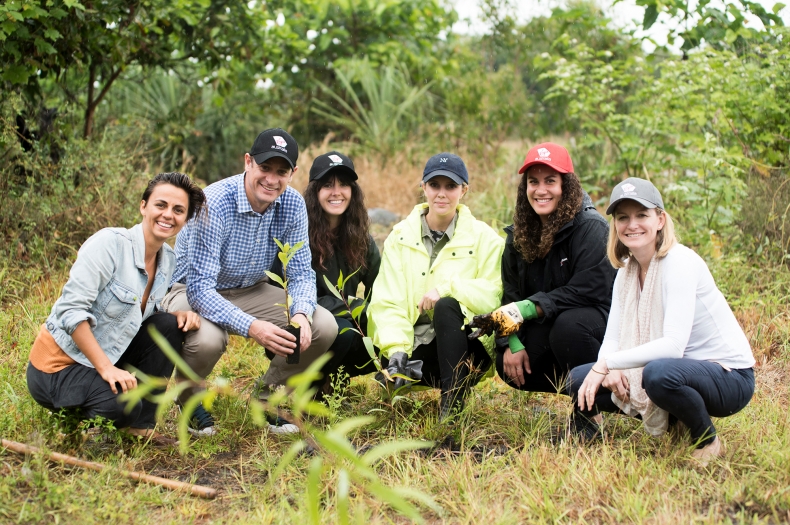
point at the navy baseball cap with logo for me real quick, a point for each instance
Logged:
(635, 189)
(447, 165)
(333, 163)
(275, 142)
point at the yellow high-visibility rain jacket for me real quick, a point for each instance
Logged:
(467, 269)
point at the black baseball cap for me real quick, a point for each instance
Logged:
(635, 189)
(448, 165)
(275, 142)
(332, 163)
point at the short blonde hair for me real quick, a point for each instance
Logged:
(665, 241)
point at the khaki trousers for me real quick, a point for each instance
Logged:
(203, 347)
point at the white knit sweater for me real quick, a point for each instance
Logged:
(698, 322)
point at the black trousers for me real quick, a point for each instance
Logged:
(451, 360)
(690, 390)
(348, 351)
(81, 387)
(554, 348)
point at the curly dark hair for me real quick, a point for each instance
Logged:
(531, 238)
(197, 199)
(351, 236)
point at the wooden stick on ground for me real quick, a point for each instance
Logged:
(195, 490)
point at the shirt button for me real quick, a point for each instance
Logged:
(423, 273)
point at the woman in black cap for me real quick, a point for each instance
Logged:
(341, 244)
(556, 277)
(440, 268)
(673, 349)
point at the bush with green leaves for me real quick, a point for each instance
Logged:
(711, 131)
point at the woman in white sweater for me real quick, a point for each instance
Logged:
(673, 349)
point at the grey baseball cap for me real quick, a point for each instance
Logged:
(639, 190)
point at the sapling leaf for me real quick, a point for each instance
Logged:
(286, 460)
(394, 447)
(357, 312)
(343, 488)
(283, 259)
(274, 277)
(279, 245)
(346, 329)
(370, 348)
(332, 288)
(314, 489)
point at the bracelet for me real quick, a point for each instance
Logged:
(597, 372)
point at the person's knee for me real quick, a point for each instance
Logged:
(446, 306)
(324, 328)
(572, 340)
(167, 325)
(576, 378)
(657, 377)
(204, 347)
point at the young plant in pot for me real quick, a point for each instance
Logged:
(285, 255)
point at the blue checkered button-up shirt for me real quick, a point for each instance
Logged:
(234, 247)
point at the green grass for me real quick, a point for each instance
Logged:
(497, 465)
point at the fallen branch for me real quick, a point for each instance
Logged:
(195, 490)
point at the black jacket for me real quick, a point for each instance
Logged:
(575, 273)
(334, 266)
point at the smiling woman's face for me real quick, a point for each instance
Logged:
(637, 227)
(165, 212)
(544, 190)
(334, 196)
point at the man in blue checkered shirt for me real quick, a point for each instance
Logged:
(220, 271)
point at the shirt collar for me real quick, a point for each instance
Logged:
(138, 245)
(426, 230)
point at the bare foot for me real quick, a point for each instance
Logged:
(712, 450)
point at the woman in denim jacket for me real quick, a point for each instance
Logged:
(99, 324)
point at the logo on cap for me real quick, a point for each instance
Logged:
(279, 141)
(628, 187)
(443, 159)
(543, 152)
(335, 158)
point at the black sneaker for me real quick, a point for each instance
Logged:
(278, 425)
(201, 423)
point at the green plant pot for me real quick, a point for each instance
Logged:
(293, 359)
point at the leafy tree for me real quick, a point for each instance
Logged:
(720, 26)
(84, 48)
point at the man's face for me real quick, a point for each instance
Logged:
(266, 181)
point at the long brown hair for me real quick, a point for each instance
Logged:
(351, 235)
(531, 237)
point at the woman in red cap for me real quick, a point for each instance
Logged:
(557, 279)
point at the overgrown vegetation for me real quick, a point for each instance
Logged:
(96, 100)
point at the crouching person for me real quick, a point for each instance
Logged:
(99, 324)
(221, 272)
(557, 279)
(440, 266)
(673, 349)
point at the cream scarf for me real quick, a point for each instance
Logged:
(641, 321)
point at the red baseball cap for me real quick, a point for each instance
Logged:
(550, 154)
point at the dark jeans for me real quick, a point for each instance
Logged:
(81, 387)
(348, 351)
(689, 390)
(554, 348)
(446, 360)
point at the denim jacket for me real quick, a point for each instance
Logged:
(105, 287)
